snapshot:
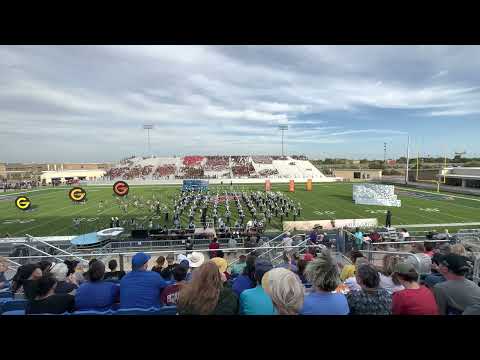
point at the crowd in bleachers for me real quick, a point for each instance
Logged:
(31, 184)
(262, 159)
(164, 171)
(192, 160)
(216, 163)
(314, 283)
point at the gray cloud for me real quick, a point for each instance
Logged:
(90, 101)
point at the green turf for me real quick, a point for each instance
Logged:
(54, 212)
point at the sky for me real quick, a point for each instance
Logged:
(89, 103)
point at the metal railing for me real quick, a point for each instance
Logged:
(263, 246)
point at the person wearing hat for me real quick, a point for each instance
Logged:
(193, 261)
(256, 301)
(141, 288)
(457, 293)
(414, 299)
(222, 266)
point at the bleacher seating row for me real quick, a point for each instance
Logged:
(155, 168)
(10, 306)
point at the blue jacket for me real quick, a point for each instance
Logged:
(141, 289)
(241, 283)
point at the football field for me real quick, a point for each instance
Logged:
(52, 212)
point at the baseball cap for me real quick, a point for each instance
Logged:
(221, 263)
(457, 264)
(139, 259)
(261, 267)
(404, 268)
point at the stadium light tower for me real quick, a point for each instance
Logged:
(148, 127)
(282, 128)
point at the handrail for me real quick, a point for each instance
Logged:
(159, 252)
(407, 242)
(56, 248)
(40, 251)
(261, 246)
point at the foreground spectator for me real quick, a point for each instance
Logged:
(256, 301)
(457, 293)
(141, 288)
(46, 301)
(97, 294)
(159, 263)
(435, 276)
(285, 289)
(113, 274)
(64, 285)
(370, 300)
(167, 272)
(386, 281)
(246, 280)
(23, 279)
(351, 282)
(222, 266)
(195, 260)
(287, 262)
(301, 266)
(206, 295)
(415, 299)
(324, 277)
(45, 266)
(170, 293)
(3, 269)
(238, 267)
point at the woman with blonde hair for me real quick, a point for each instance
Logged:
(206, 295)
(285, 289)
(390, 261)
(458, 249)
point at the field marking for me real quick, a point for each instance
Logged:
(434, 193)
(439, 225)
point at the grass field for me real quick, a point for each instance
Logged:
(53, 211)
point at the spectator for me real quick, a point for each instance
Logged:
(195, 260)
(370, 300)
(301, 266)
(45, 266)
(307, 257)
(414, 299)
(206, 295)
(457, 293)
(458, 249)
(351, 282)
(141, 288)
(97, 294)
(237, 268)
(256, 301)
(64, 285)
(324, 277)
(348, 271)
(72, 266)
(3, 269)
(403, 235)
(390, 261)
(429, 246)
(160, 262)
(44, 299)
(435, 276)
(113, 274)
(288, 242)
(23, 279)
(355, 254)
(213, 246)
(222, 266)
(167, 272)
(287, 262)
(232, 244)
(358, 244)
(285, 290)
(247, 279)
(170, 293)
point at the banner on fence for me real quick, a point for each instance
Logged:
(329, 224)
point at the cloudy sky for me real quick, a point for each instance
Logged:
(88, 103)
